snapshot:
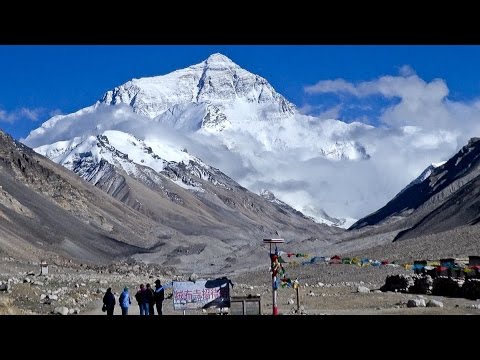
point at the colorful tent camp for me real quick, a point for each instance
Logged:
(335, 260)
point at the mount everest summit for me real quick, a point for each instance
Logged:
(213, 113)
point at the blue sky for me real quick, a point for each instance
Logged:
(38, 81)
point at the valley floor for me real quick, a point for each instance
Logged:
(326, 290)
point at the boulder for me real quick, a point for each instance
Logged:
(363, 289)
(62, 310)
(434, 303)
(416, 303)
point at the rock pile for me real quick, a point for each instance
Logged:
(471, 289)
(444, 286)
(422, 285)
(397, 283)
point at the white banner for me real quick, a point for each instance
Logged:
(201, 294)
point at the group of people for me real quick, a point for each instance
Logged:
(147, 299)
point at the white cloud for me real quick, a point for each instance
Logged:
(328, 86)
(20, 114)
(421, 128)
(55, 112)
(307, 109)
(420, 103)
(320, 111)
(406, 70)
(331, 113)
(299, 173)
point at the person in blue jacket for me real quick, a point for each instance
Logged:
(124, 301)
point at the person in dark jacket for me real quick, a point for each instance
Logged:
(140, 297)
(159, 296)
(109, 301)
(149, 301)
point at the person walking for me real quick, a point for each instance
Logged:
(140, 297)
(159, 296)
(109, 301)
(124, 301)
(149, 300)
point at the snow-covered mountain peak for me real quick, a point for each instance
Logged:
(216, 80)
(219, 60)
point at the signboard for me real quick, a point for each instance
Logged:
(201, 294)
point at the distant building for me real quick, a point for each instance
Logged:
(447, 262)
(474, 261)
(418, 266)
(335, 260)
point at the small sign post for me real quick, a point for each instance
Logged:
(273, 258)
(43, 268)
(296, 286)
(298, 299)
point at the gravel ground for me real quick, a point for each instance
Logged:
(325, 289)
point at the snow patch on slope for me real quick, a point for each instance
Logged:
(425, 174)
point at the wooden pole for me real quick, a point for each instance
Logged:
(298, 299)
